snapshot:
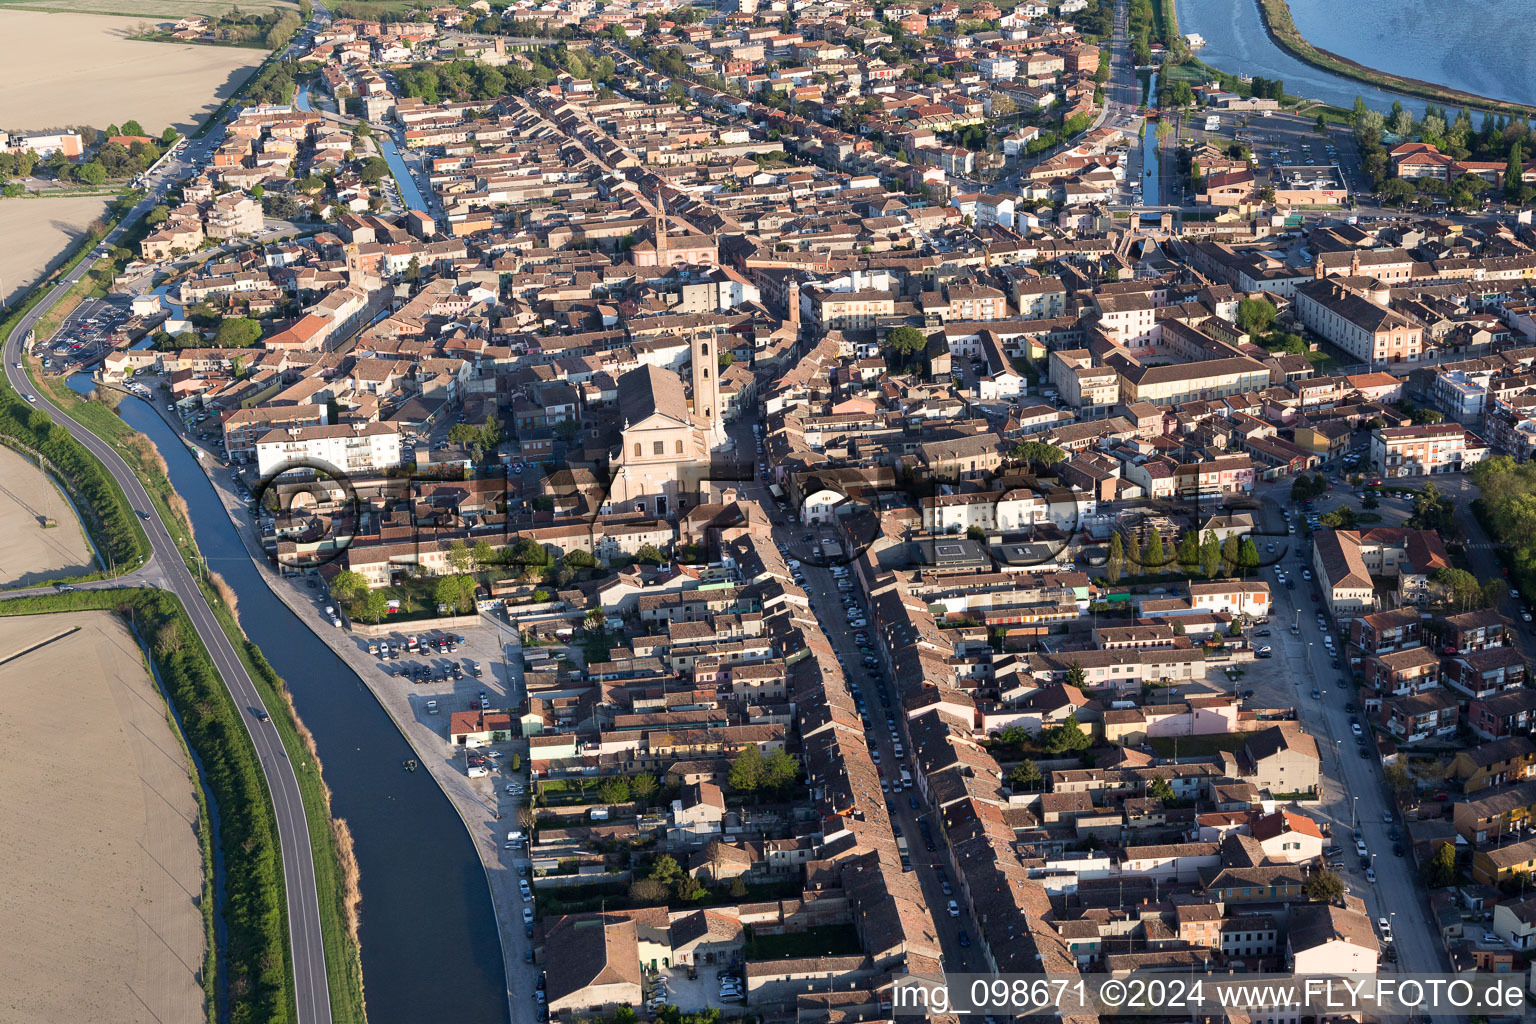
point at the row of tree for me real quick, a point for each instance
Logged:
(1192, 554)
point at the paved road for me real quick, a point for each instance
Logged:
(1354, 791)
(311, 990)
(826, 603)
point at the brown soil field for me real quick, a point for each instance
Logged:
(67, 69)
(29, 553)
(98, 831)
(158, 10)
(37, 233)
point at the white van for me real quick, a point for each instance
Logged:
(431, 707)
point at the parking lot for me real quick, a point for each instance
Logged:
(1288, 140)
(673, 986)
(87, 333)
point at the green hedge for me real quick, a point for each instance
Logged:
(255, 957)
(100, 501)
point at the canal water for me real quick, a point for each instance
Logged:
(430, 946)
(1237, 43)
(409, 192)
(1151, 194)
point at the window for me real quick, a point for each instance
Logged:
(679, 446)
(637, 449)
(658, 447)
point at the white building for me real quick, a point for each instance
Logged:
(348, 447)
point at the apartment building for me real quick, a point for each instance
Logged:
(234, 214)
(1426, 450)
(349, 447)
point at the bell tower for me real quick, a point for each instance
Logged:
(706, 386)
(660, 230)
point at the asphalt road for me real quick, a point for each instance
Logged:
(826, 603)
(311, 991)
(1354, 790)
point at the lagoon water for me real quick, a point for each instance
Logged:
(1486, 47)
(1480, 45)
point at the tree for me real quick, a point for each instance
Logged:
(579, 559)
(1370, 501)
(1158, 789)
(1513, 171)
(748, 770)
(738, 888)
(1248, 555)
(1188, 555)
(1441, 869)
(642, 788)
(690, 889)
(648, 891)
(1399, 780)
(614, 790)
(780, 769)
(237, 332)
(1037, 453)
(133, 128)
(374, 170)
(483, 553)
(457, 592)
(1153, 557)
(157, 216)
(1115, 567)
(459, 556)
(373, 606)
(1076, 676)
(92, 173)
(664, 868)
(1255, 315)
(1065, 738)
(649, 554)
(1491, 592)
(907, 341)
(1210, 555)
(349, 585)
(1024, 775)
(1323, 886)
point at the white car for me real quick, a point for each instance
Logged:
(527, 915)
(954, 909)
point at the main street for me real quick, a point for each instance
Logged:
(1354, 793)
(312, 993)
(826, 603)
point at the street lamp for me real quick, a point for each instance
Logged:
(1354, 814)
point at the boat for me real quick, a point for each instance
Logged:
(409, 766)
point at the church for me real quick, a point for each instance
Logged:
(662, 464)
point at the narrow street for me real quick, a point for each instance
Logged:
(826, 603)
(1354, 793)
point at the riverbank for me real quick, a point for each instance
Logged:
(334, 862)
(1282, 31)
(483, 811)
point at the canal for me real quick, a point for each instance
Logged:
(1235, 42)
(1151, 194)
(430, 946)
(409, 192)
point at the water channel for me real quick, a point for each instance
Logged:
(430, 946)
(409, 192)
